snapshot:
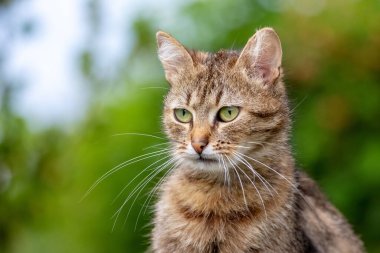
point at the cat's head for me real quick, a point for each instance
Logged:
(225, 104)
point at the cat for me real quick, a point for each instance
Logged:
(235, 188)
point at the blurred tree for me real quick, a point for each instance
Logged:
(332, 73)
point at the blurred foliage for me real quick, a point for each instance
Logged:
(333, 75)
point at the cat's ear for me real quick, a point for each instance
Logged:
(174, 57)
(261, 56)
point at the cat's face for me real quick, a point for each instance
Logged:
(222, 105)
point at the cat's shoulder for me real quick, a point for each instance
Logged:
(320, 221)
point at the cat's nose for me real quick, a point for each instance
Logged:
(199, 145)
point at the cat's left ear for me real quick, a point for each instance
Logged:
(174, 57)
(261, 56)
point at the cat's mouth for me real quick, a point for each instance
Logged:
(206, 159)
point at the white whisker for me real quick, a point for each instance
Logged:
(142, 171)
(140, 134)
(157, 145)
(154, 87)
(141, 186)
(295, 187)
(122, 165)
(153, 192)
(256, 173)
(266, 166)
(168, 163)
(254, 185)
(226, 169)
(240, 146)
(261, 143)
(299, 103)
(241, 185)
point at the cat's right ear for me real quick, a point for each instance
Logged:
(261, 57)
(174, 57)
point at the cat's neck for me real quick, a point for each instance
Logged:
(242, 191)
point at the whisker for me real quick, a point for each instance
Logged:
(154, 87)
(146, 179)
(254, 185)
(299, 103)
(241, 185)
(255, 172)
(125, 187)
(141, 185)
(255, 142)
(240, 146)
(153, 192)
(157, 145)
(295, 187)
(140, 134)
(261, 143)
(122, 165)
(226, 169)
(266, 166)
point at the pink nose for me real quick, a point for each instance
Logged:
(199, 145)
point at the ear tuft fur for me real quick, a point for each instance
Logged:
(262, 55)
(174, 57)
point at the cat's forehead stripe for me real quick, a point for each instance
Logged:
(188, 97)
(218, 96)
(208, 82)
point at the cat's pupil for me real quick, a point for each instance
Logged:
(183, 112)
(230, 112)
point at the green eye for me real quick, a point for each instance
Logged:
(182, 115)
(228, 113)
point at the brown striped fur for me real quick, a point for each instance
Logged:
(213, 206)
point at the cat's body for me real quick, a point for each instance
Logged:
(235, 188)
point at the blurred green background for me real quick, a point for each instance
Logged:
(332, 66)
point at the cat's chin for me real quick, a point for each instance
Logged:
(206, 160)
(203, 164)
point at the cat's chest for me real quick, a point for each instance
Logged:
(209, 231)
(213, 233)
(209, 218)
(215, 218)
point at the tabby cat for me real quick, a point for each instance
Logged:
(235, 188)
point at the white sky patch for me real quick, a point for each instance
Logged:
(46, 62)
(115, 38)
